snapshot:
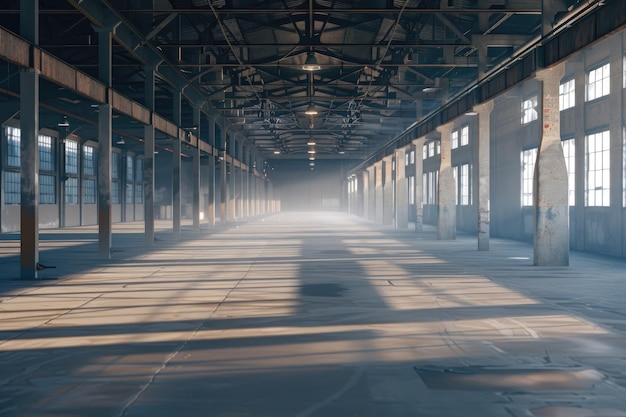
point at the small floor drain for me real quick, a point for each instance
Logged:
(322, 290)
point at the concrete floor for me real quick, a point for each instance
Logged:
(308, 315)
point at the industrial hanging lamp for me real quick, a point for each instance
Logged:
(311, 110)
(311, 62)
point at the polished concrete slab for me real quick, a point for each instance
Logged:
(308, 315)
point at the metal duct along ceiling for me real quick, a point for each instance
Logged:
(381, 65)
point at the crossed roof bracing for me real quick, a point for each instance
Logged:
(383, 64)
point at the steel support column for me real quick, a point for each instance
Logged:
(196, 172)
(211, 177)
(29, 151)
(149, 161)
(29, 160)
(176, 180)
(105, 129)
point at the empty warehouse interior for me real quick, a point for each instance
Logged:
(312, 208)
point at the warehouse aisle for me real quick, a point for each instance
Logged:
(311, 315)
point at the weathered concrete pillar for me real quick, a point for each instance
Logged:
(360, 194)
(551, 229)
(388, 190)
(371, 193)
(483, 167)
(402, 191)
(379, 194)
(446, 223)
(419, 184)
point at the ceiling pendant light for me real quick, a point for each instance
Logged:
(311, 110)
(311, 62)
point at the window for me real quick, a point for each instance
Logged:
(139, 181)
(464, 185)
(455, 176)
(130, 170)
(89, 191)
(115, 192)
(569, 151)
(529, 110)
(454, 139)
(406, 159)
(412, 158)
(599, 82)
(425, 151)
(597, 169)
(425, 188)
(529, 157)
(13, 147)
(412, 189)
(567, 95)
(465, 135)
(12, 193)
(71, 190)
(46, 153)
(431, 149)
(89, 161)
(71, 157)
(47, 189)
(115, 165)
(116, 158)
(430, 180)
(130, 174)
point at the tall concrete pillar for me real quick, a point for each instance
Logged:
(419, 184)
(176, 166)
(379, 198)
(105, 128)
(196, 172)
(148, 161)
(388, 190)
(211, 179)
(446, 222)
(483, 167)
(551, 229)
(29, 151)
(371, 193)
(361, 194)
(402, 191)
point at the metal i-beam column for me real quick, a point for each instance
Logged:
(196, 172)
(223, 179)
(148, 161)
(105, 128)
(231, 176)
(176, 185)
(211, 178)
(29, 159)
(446, 225)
